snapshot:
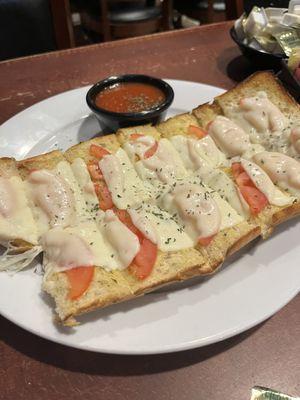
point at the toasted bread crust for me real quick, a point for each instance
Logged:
(43, 161)
(206, 113)
(176, 125)
(8, 167)
(81, 150)
(261, 81)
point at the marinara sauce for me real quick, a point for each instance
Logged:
(129, 97)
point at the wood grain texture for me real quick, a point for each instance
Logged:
(32, 368)
(203, 54)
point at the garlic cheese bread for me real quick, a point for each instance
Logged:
(120, 215)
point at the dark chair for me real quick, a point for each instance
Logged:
(115, 19)
(235, 8)
(34, 26)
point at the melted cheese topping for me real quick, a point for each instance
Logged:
(139, 146)
(262, 114)
(66, 249)
(193, 151)
(252, 149)
(231, 139)
(16, 219)
(65, 171)
(121, 238)
(125, 186)
(198, 211)
(165, 165)
(160, 227)
(87, 190)
(52, 198)
(283, 170)
(219, 181)
(262, 120)
(265, 185)
(88, 244)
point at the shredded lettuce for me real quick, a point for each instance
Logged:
(11, 262)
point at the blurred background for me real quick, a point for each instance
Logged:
(35, 26)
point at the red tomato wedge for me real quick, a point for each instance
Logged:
(94, 170)
(237, 169)
(144, 261)
(149, 153)
(206, 241)
(98, 151)
(256, 200)
(79, 279)
(135, 136)
(105, 200)
(125, 218)
(196, 131)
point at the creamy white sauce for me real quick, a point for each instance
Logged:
(165, 165)
(75, 174)
(262, 181)
(160, 227)
(198, 211)
(139, 146)
(52, 194)
(66, 250)
(193, 151)
(87, 244)
(124, 184)
(231, 139)
(262, 114)
(121, 238)
(16, 219)
(284, 171)
(143, 224)
(252, 149)
(219, 181)
(263, 121)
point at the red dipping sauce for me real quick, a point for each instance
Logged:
(130, 97)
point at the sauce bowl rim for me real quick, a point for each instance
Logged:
(127, 78)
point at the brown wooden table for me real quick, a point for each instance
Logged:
(32, 368)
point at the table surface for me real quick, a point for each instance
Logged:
(33, 368)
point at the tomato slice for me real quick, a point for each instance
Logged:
(196, 131)
(144, 261)
(206, 241)
(256, 200)
(149, 153)
(94, 170)
(237, 169)
(105, 200)
(135, 136)
(98, 151)
(244, 180)
(79, 279)
(125, 218)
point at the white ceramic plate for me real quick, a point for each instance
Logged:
(246, 291)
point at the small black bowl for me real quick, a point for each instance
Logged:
(260, 59)
(111, 121)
